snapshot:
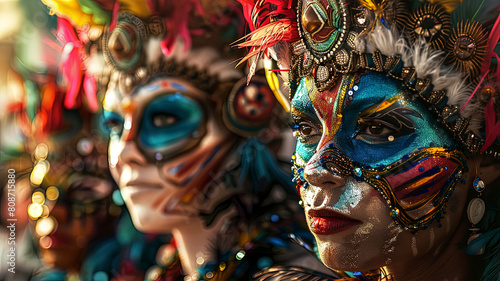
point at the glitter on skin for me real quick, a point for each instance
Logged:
(363, 232)
(361, 235)
(392, 237)
(414, 246)
(388, 261)
(350, 198)
(431, 238)
(438, 250)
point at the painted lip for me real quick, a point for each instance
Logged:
(138, 186)
(328, 222)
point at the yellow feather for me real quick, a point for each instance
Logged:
(370, 4)
(138, 8)
(69, 9)
(448, 5)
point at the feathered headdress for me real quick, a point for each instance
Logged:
(443, 49)
(127, 42)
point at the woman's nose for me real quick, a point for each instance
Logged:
(327, 169)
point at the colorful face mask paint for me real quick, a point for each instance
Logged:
(373, 130)
(170, 122)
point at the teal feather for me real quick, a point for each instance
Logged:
(481, 11)
(257, 162)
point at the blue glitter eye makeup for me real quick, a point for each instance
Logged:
(169, 119)
(386, 122)
(112, 122)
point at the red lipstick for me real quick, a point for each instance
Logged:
(329, 222)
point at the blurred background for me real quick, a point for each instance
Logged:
(71, 220)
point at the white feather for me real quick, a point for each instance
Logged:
(153, 50)
(225, 70)
(384, 39)
(429, 63)
(95, 64)
(201, 58)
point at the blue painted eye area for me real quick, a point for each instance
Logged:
(306, 126)
(306, 132)
(386, 121)
(112, 122)
(168, 120)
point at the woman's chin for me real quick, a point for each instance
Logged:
(345, 257)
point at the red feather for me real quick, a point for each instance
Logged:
(492, 126)
(114, 15)
(270, 21)
(492, 42)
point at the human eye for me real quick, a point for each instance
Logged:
(169, 119)
(112, 122)
(376, 132)
(162, 119)
(305, 130)
(386, 122)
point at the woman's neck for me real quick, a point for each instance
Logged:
(196, 243)
(450, 264)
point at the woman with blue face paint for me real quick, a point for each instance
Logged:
(395, 108)
(192, 144)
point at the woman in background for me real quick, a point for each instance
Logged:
(64, 194)
(192, 146)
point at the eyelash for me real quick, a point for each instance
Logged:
(379, 131)
(305, 131)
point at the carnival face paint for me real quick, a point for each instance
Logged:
(369, 137)
(165, 147)
(373, 129)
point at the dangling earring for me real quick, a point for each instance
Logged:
(475, 212)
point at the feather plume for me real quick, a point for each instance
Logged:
(376, 7)
(153, 50)
(267, 36)
(177, 23)
(114, 15)
(481, 11)
(428, 63)
(448, 5)
(493, 40)
(265, 33)
(90, 89)
(385, 40)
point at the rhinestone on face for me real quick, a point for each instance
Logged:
(394, 212)
(358, 172)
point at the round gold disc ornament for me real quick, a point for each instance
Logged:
(123, 45)
(432, 22)
(467, 47)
